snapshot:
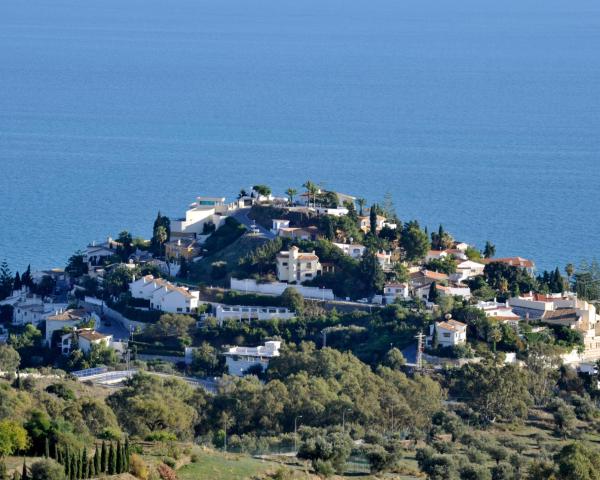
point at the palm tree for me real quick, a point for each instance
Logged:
(291, 193)
(361, 205)
(494, 336)
(570, 270)
(312, 189)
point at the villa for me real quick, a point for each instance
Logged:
(365, 223)
(240, 360)
(294, 266)
(519, 262)
(448, 334)
(85, 339)
(205, 212)
(183, 247)
(95, 254)
(392, 291)
(467, 269)
(68, 319)
(164, 296)
(353, 250)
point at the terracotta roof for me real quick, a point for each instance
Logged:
(92, 336)
(434, 275)
(512, 261)
(562, 314)
(451, 325)
(69, 315)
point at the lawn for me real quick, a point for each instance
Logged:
(220, 466)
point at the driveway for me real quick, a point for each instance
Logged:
(241, 215)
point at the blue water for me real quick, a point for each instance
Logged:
(482, 115)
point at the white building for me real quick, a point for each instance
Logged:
(240, 359)
(165, 296)
(467, 269)
(294, 266)
(449, 333)
(240, 312)
(205, 210)
(463, 292)
(95, 253)
(278, 224)
(30, 308)
(68, 319)
(84, 339)
(392, 291)
(385, 260)
(335, 212)
(500, 311)
(353, 250)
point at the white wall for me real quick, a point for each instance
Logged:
(277, 288)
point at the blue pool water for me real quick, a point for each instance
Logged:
(482, 115)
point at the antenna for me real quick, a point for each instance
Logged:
(419, 338)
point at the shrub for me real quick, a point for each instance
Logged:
(166, 472)
(138, 467)
(169, 462)
(47, 470)
(195, 458)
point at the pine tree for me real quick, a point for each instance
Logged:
(24, 475)
(104, 459)
(46, 447)
(6, 280)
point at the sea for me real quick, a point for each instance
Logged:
(481, 115)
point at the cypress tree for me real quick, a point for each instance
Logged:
(119, 454)
(112, 460)
(16, 475)
(127, 454)
(84, 463)
(3, 469)
(103, 459)
(91, 468)
(67, 463)
(97, 464)
(73, 467)
(78, 465)
(59, 454)
(46, 447)
(24, 475)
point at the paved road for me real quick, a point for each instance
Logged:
(241, 215)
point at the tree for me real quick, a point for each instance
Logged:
(371, 273)
(9, 359)
(494, 336)
(126, 245)
(394, 359)
(97, 462)
(489, 250)
(433, 295)
(373, 219)
(13, 437)
(311, 189)
(576, 461)
(17, 283)
(76, 267)
(292, 299)
(47, 470)
(26, 279)
(361, 205)
(112, 460)
(414, 242)
(104, 458)
(569, 270)
(564, 418)
(291, 193)
(332, 449)
(389, 210)
(6, 280)
(263, 190)
(161, 233)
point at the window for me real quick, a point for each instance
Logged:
(179, 309)
(309, 274)
(446, 335)
(308, 265)
(284, 264)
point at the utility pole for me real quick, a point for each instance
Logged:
(419, 338)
